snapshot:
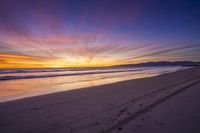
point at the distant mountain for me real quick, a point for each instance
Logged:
(162, 63)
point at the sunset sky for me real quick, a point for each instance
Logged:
(90, 33)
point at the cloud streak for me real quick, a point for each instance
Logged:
(72, 33)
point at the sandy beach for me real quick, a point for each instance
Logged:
(165, 103)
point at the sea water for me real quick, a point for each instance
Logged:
(21, 83)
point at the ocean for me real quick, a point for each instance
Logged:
(22, 83)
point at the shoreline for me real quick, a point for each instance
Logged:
(136, 76)
(94, 109)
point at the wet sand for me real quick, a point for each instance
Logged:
(117, 107)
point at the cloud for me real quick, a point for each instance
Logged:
(40, 33)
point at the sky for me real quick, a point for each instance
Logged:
(95, 33)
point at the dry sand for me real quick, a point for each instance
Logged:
(178, 114)
(151, 105)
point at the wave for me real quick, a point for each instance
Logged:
(51, 74)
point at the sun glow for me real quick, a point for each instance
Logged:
(54, 51)
(22, 61)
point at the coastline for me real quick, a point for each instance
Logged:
(13, 89)
(103, 108)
